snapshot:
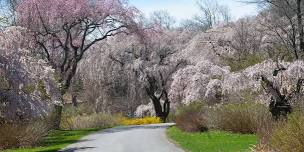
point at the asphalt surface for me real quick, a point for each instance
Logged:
(147, 138)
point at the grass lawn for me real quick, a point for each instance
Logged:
(57, 140)
(212, 141)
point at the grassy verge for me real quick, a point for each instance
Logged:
(212, 141)
(57, 140)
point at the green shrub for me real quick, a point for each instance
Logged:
(282, 52)
(81, 109)
(192, 118)
(15, 135)
(245, 117)
(4, 83)
(172, 116)
(42, 90)
(28, 89)
(244, 62)
(289, 136)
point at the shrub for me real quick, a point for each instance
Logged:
(282, 52)
(141, 121)
(261, 148)
(84, 117)
(29, 89)
(289, 136)
(244, 62)
(245, 117)
(95, 120)
(42, 89)
(14, 135)
(81, 109)
(192, 118)
(4, 83)
(172, 116)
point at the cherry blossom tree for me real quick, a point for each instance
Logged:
(27, 84)
(65, 30)
(152, 62)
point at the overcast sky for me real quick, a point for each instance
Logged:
(185, 9)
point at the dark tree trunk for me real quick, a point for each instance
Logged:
(161, 111)
(300, 25)
(74, 100)
(157, 107)
(66, 78)
(279, 105)
(57, 117)
(166, 106)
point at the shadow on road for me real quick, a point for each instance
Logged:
(75, 149)
(128, 128)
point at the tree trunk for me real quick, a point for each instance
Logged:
(161, 111)
(57, 117)
(157, 107)
(166, 107)
(74, 100)
(66, 81)
(300, 25)
(279, 105)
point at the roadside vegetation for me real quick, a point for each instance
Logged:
(69, 68)
(76, 122)
(237, 126)
(225, 127)
(38, 135)
(140, 121)
(56, 140)
(83, 117)
(212, 141)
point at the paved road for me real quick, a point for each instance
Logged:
(148, 138)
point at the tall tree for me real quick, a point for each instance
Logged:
(153, 61)
(286, 21)
(65, 30)
(163, 19)
(156, 86)
(211, 13)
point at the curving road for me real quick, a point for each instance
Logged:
(147, 138)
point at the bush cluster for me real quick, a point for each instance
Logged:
(14, 135)
(192, 118)
(288, 135)
(284, 135)
(242, 118)
(83, 117)
(244, 62)
(96, 120)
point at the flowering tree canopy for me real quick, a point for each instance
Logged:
(65, 30)
(27, 84)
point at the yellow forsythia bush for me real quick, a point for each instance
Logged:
(140, 121)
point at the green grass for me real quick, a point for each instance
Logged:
(212, 141)
(57, 140)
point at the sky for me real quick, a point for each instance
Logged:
(185, 9)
